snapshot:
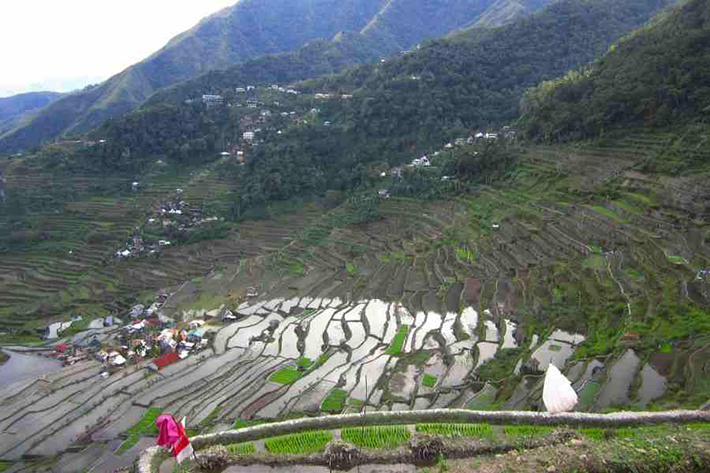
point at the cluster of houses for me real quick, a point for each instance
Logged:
(174, 215)
(149, 334)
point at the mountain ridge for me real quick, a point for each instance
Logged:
(247, 30)
(16, 108)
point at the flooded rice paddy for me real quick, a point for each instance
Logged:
(290, 356)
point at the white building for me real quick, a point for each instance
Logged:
(248, 136)
(212, 99)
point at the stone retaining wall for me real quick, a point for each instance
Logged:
(572, 419)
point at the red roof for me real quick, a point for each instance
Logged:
(165, 360)
(61, 347)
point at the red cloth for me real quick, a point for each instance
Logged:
(182, 448)
(169, 431)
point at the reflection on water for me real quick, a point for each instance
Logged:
(616, 389)
(653, 385)
(22, 366)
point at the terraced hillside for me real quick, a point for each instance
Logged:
(580, 259)
(68, 266)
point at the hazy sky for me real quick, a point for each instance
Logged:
(54, 41)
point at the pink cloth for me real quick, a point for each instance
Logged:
(169, 432)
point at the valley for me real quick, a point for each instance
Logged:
(579, 259)
(330, 266)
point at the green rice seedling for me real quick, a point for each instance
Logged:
(398, 341)
(286, 376)
(304, 363)
(526, 430)
(146, 426)
(245, 448)
(699, 426)
(429, 381)
(5, 465)
(376, 437)
(600, 435)
(128, 444)
(243, 424)
(335, 400)
(456, 430)
(299, 444)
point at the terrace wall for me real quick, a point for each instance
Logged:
(574, 419)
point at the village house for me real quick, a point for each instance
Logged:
(212, 99)
(423, 161)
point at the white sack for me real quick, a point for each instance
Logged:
(558, 394)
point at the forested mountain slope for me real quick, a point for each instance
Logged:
(657, 76)
(400, 107)
(14, 109)
(249, 29)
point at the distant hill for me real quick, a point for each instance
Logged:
(15, 109)
(399, 108)
(659, 75)
(502, 12)
(249, 29)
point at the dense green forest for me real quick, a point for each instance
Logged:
(655, 77)
(252, 29)
(400, 108)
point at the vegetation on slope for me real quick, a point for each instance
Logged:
(18, 107)
(249, 29)
(401, 107)
(655, 77)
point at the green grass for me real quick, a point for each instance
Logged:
(243, 424)
(612, 215)
(456, 430)
(600, 435)
(286, 376)
(322, 359)
(299, 444)
(146, 426)
(376, 437)
(4, 465)
(335, 401)
(398, 341)
(128, 444)
(676, 259)
(526, 430)
(246, 448)
(350, 268)
(429, 381)
(700, 426)
(304, 363)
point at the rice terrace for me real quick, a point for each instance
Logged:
(444, 304)
(417, 237)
